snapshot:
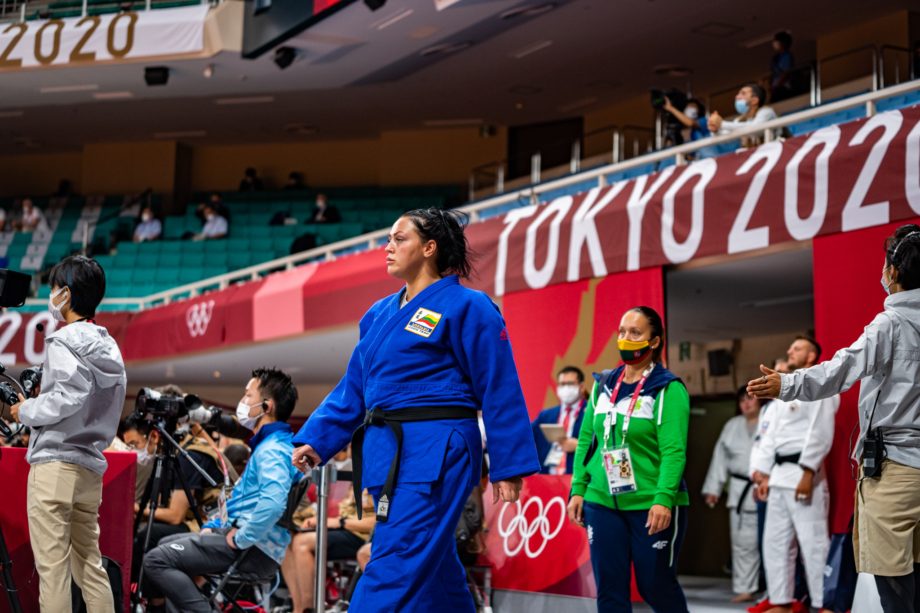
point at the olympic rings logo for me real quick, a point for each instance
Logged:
(526, 529)
(198, 317)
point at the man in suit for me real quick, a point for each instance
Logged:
(556, 456)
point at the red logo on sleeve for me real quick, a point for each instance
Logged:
(504, 335)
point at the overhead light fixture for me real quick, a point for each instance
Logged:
(375, 4)
(578, 104)
(180, 134)
(285, 56)
(66, 89)
(113, 95)
(445, 48)
(672, 70)
(245, 100)
(758, 41)
(778, 301)
(527, 11)
(531, 49)
(208, 71)
(386, 22)
(452, 123)
(155, 76)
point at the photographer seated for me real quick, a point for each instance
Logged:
(178, 516)
(253, 511)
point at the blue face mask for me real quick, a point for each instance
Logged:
(741, 106)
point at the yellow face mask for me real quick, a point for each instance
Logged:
(633, 352)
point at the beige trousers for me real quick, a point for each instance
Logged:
(64, 528)
(886, 535)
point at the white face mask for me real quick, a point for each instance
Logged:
(692, 112)
(568, 394)
(885, 286)
(56, 308)
(147, 217)
(242, 415)
(144, 457)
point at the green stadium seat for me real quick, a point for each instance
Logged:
(167, 275)
(193, 260)
(119, 276)
(172, 260)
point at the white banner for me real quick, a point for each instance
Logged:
(102, 38)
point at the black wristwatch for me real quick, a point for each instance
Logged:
(341, 523)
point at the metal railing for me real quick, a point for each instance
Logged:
(22, 10)
(766, 131)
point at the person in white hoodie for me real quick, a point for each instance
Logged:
(73, 420)
(787, 464)
(886, 359)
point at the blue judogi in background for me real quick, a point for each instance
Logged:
(448, 347)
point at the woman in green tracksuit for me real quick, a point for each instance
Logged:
(627, 486)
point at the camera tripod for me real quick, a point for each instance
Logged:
(166, 463)
(6, 563)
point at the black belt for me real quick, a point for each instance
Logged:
(792, 458)
(744, 492)
(394, 419)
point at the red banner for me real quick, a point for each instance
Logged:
(533, 547)
(573, 323)
(837, 179)
(115, 517)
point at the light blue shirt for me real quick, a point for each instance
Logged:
(148, 230)
(259, 499)
(215, 227)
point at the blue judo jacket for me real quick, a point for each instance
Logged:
(447, 347)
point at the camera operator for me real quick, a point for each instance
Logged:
(692, 117)
(257, 504)
(72, 421)
(178, 516)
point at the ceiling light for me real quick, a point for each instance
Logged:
(451, 123)
(531, 49)
(525, 90)
(156, 76)
(716, 29)
(180, 134)
(578, 104)
(386, 22)
(285, 56)
(64, 89)
(208, 71)
(778, 301)
(112, 95)
(756, 42)
(527, 11)
(245, 100)
(672, 70)
(445, 48)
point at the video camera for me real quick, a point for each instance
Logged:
(173, 410)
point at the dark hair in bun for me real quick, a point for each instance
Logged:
(902, 250)
(445, 228)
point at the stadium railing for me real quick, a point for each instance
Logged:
(869, 104)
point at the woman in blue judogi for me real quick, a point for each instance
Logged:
(429, 357)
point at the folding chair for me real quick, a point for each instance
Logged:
(221, 593)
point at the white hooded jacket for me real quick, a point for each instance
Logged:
(76, 414)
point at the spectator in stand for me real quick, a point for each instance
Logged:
(3, 227)
(749, 104)
(323, 212)
(693, 117)
(781, 84)
(346, 536)
(149, 229)
(215, 225)
(251, 182)
(729, 466)
(558, 455)
(32, 217)
(295, 182)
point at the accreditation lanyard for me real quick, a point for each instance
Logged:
(610, 421)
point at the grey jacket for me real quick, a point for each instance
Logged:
(83, 392)
(887, 360)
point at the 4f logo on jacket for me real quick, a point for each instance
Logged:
(423, 322)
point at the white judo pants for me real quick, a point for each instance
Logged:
(745, 552)
(789, 521)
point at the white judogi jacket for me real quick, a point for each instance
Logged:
(732, 456)
(787, 428)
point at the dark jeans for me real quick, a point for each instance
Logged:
(173, 564)
(900, 594)
(159, 531)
